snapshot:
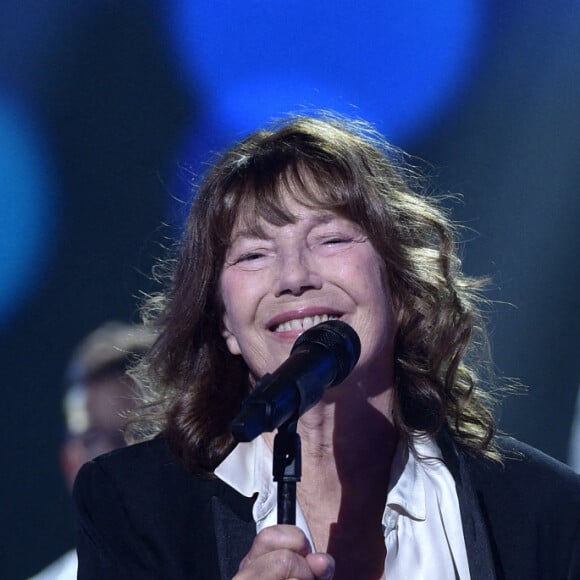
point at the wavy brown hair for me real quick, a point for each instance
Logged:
(193, 386)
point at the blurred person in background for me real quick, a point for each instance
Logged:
(98, 394)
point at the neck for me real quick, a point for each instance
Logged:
(349, 426)
(348, 444)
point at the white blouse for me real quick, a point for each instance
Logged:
(421, 520)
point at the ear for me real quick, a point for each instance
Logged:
(230, 338)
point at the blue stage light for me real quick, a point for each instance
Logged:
(27, 218)
(394, 63)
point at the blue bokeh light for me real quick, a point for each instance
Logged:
(393, 63)
(27, 217)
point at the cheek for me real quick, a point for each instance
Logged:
(229, 321)
(375, 290)
(231, 289)
(371, 277)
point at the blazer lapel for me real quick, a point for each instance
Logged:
(475, 530)
(234, 535)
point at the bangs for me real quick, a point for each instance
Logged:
(261, 195)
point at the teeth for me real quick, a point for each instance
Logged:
(304, 323)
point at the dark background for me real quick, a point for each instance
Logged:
(104, 87)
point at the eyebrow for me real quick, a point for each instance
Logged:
(247, 234)
(321, 216)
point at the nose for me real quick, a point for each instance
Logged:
(296, 274)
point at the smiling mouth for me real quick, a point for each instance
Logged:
(303, 323)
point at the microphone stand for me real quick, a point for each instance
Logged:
(287, 469)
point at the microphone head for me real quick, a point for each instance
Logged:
(339, 339)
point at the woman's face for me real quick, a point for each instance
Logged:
(276, 286)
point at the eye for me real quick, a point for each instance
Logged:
(337, 240)
(248, 252)
(248, 257)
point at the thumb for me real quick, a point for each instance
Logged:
(322, 565)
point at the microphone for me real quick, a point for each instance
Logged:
(321, 357)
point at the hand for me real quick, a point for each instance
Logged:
(281, 552)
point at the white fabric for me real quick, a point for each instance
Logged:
(65, 568)
(248, 469)
(421, 521)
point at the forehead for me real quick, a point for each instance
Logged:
(291, 211)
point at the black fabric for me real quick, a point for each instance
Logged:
(475, 531)
(234, 537)
(142, 515)
(531, 505)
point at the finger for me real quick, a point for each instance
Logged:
(277, 538)
(277, 565)
(322, 565)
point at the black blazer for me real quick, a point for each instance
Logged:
(141, 515)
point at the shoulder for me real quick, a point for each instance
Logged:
(142, 473)
(525, 465)
(525, 481)
(142, 496)
(146, 458)
(531, 505)
(529, 481)
(141, 514)
(141, 462)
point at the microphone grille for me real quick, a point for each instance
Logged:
(339, 339)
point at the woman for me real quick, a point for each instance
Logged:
(402, 476)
